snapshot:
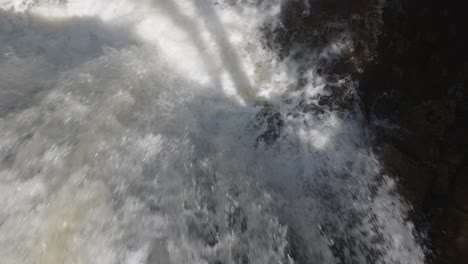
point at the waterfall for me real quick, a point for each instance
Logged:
(173, 131)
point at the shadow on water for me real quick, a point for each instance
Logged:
(230, 59)
(192, 29)
(34, 48)
(231, 63)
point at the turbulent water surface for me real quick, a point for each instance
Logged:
(165, 131)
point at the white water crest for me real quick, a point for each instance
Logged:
(163, 131)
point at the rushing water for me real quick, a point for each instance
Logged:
(164, 131)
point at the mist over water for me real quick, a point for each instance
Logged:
(165, 131)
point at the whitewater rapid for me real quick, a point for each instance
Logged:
(165, 132)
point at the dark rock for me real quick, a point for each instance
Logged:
(430, 117)
(461, 191)
(442, 183)
(411, 73)
(398, 164)
(417, 84)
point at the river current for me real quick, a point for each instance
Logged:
(167, 132)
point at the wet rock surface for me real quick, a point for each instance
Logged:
(407, 58)
(415, 100)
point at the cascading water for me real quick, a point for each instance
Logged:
(164, 131)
